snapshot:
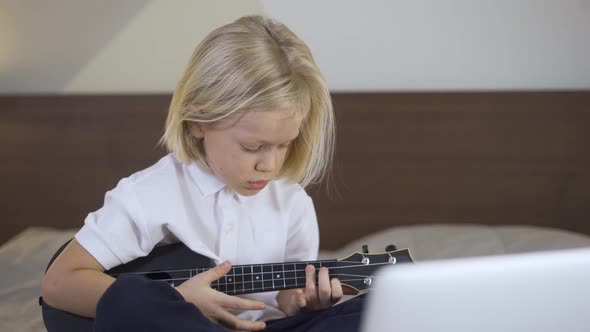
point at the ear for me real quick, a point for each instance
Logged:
(196, 129)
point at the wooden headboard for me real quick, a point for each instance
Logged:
(402, 158)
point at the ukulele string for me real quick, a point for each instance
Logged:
(295, 271)
(201, 270)
(229, 282)
(258, 289)
(288, 286)
(252, 288)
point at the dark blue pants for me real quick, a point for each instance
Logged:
(137, 304)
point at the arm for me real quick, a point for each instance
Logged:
(75, 281)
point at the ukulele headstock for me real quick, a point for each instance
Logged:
(357, 271)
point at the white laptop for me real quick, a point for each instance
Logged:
(534, 292)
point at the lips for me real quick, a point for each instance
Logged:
(257, 185)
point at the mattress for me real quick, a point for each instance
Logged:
(25, 256)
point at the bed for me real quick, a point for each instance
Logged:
(447, 175)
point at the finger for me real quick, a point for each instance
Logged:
(296, 302)
(337, 291)
(235, 302)
(233, 322)
(215, 273)
(300, 299)
(324, 289)
(310, 288)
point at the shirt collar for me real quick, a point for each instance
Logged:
(210, 184)
(204, 179)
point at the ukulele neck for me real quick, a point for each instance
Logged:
(255, 278)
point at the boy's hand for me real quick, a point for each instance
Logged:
(315, 297)
(214, 304)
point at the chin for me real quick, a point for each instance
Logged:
(248, 192)
(245, 191)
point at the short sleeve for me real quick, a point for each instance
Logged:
(303, 236)
(116, 233)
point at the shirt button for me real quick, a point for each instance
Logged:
(228, 228)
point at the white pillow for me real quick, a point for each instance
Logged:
(431, 242)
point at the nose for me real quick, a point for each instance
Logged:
(268, 161)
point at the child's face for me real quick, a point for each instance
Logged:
(248, 149)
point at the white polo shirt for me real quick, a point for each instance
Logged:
(171, 201)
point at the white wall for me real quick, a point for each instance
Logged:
(149, 54)
(43, 44)
(104, 46)
(445, 45)
(70, 46)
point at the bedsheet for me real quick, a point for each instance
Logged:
(23, 258)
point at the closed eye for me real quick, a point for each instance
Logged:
(251, 148)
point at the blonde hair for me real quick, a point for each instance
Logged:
(254, 63)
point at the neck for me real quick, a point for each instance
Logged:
(255, 278)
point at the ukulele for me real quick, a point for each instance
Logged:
(176, 263)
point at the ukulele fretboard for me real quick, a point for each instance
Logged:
(244, 279)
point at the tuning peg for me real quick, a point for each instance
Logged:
(390, 247)
(365, 249)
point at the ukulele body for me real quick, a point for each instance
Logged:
(164, 258)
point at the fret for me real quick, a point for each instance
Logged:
(267, 277)
(332, 270)
(278, 275)
(221, 284)
(230, 282)
(262, 276)
(273, 276)
(257, 276)
(248, 285)
(284, 281)
(300, 274)
(290, 276)
(238, 279)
